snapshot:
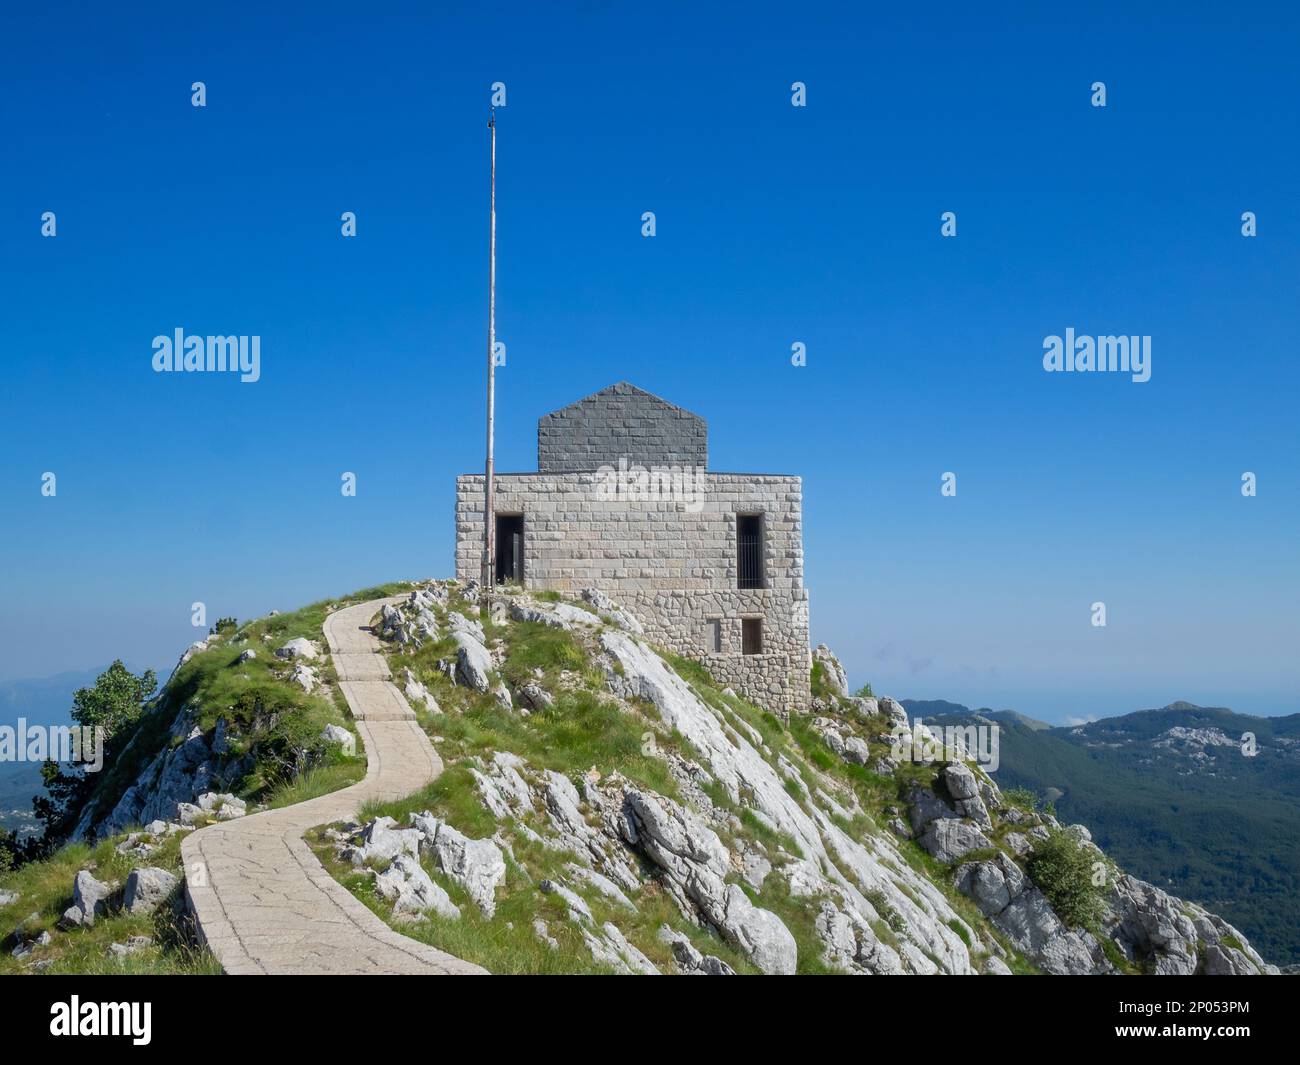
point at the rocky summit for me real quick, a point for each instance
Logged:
(549, 791)
(610, 806)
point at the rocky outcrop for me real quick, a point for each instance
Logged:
(695, 865)
(476, 864)
(1170, 937)
(832, 672)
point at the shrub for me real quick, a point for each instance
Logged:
(1062, 870)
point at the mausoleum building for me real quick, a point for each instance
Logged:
(623, 501)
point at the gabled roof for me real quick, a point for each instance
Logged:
(620, 388)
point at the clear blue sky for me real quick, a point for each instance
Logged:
(775, 224)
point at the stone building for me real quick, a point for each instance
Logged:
(623, 501)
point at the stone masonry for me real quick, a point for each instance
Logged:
(664, 546)
(620, 422)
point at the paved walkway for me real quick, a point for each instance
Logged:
(266, 904)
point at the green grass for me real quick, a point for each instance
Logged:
(270, 717)
(45, 890)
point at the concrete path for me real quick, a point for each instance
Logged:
(264, 904)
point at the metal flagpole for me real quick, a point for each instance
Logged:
(489, 518)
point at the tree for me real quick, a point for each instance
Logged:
(114, 704)
(117, 699)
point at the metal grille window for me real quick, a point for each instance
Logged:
(749, 549)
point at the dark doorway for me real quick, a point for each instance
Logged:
(749, 549)
(510, 548)
(751, 636)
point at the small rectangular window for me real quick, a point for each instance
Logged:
(751, 636)
(713, 637)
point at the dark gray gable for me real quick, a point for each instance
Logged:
(620, 422)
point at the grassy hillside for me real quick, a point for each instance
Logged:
(273, 754)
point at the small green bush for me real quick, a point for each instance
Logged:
(1062, 870)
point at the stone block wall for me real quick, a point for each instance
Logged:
(620, 422)
(672, 563)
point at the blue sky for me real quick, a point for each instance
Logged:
(776, 224)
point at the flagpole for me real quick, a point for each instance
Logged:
(489, 520)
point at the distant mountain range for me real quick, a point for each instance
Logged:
(1171, 795)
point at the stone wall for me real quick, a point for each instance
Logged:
(672, 562)
(620, 422)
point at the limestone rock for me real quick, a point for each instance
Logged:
(133, 945)
(1018, 909)
(222, 806)
(146, 888)
(476, 864)
(90, 899)
(298, 648)
(606, 607)
(473, 662)
(381, 841)
(696, 862)
(689, 959)
(420, 695)
(341, 736)
(832, 672)
(948, 839)
(304, 676)
(411, 890)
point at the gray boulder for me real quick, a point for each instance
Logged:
(146, 888)
(90, 899)
(961, 781)
(856, 751)
(412, 891)
(339, 735)
(948, 839)
(689, 959)
(473, 662)
(606, 607)
(381, 841)
(133, 945)
(298, 648)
